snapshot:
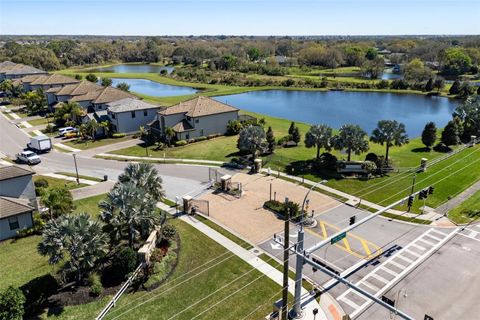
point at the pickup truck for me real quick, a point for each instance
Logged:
(28, 157)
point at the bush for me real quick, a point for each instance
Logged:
(441, 147)
(180, 143)
(168, 231)
(38, 224)
(39, 184)
(234, 127)
(49, 128)
(202, 138)
(11, 304)
(281, 208)
(156, 256)
(118, 135)
(327, 161)
(95, 285)
(125, 261)
(369, 166)
(283, 140)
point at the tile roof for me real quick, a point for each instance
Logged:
(12, 171)
(110, 94)
(198, 107)
(30, 78)
(77, 89)
(182, 126)
(20, 69)
(129, 104)
(12, 206)
(54, 79)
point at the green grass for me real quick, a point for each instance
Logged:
(8, 115)
(20, 262)
(55, 182)
(70, 174)
(181, 290)
(37, 122)
(89, 144)
(246, 245)
(89, 205)
(461, 214)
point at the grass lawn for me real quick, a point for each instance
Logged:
(461, 214)
(37, 122)
(70, 174)
(89, 205)
(20, 262)
(89, 144)
(54, 182)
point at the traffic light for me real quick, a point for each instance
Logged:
(352, 220)
(410, 201)
(423, 194)
(430, 190)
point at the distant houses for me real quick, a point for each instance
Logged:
(12, 70)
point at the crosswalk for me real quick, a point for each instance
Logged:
(392, 270)
(472, 232)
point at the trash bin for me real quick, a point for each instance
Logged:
(105, 177)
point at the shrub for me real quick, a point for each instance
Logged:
(168, 231)
(38, 224)
(180, 143)
(327, 161)
(283, 140)
(49, 128)
(11, 304)
(234, 127)
(190, 140)
(118, 135)
(202, 138)
(369, 166)
(95, 285)
(441, 147)
(125, 261)
(281, 208)
(157, 255)
(41, 183)
(163, 72)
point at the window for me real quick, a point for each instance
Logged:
(145, 113)
(188, 136)
(113, 115)
(196, 120)
(13, 222)
(133, 114)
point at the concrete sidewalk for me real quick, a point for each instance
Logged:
(120, 157)
(309, 303)
(61, 176)
(90, 191)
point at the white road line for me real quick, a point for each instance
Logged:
(467, 236)
(371, 286)
(433, 237)
(413, 253)
(427, 242)
(379, 278)
(350, 303)
(438, 232)
(390, 271)
(398, 265)
(418, 247)
(410, 261)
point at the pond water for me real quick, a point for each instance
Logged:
(336, 108)
(388, 74)
(135, 68)
(154, 89)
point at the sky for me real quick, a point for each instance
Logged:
(239, 17)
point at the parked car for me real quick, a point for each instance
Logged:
(28, 157)
(63, 131)
(72, 134)
(40, 144)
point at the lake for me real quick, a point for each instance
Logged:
(154, 89)
(336, 108)
(135, 68)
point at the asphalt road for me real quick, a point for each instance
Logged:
(178, 179)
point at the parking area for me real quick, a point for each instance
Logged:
(246, 215)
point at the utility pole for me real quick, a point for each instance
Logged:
(76, 168)
(286, 254)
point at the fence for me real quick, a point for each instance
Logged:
(215, 174)
(202, 206)
(117, 296)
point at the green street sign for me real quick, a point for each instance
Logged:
(338, 238)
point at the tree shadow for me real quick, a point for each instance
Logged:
(424, 149)
(37, 293)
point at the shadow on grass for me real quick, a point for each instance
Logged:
(37, 293)
(425, 149)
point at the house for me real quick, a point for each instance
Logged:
(17, 200)
(11, 70)
(97, 100)
(200, 116)
(129, 114)
(62, 94)
(49, 81)
(15, 215)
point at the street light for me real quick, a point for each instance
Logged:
(76, 168)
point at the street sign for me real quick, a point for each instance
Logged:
(338, 238)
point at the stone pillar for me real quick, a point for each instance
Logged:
(226, 181)
(257, 165)
(187, 204)
(423, 164)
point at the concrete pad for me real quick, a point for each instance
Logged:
(247, 217)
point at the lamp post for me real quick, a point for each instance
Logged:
(76, 168)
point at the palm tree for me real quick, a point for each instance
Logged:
(92, 127)
(129, 211)
(58, 200)
(319, 136)
(105, 125)
(169, 135)
(391, 133)
(78, 238)
(145, 177)
(352, 139)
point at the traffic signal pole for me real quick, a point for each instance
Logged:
(286, 254)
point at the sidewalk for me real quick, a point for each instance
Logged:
(309, 303)
(456, 201)
(116, 156)
(61, 176)
(90, 191)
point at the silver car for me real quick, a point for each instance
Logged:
(28, 157)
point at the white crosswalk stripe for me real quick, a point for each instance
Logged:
(428, 245)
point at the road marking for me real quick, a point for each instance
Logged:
(405, 270)
(324, 231)
(418, 247)
(334, 312)
(371, 286)
(413, 253)
(468, 236)
(351, 303)
(390, 271)
(347, 245)
(405, 259)
(427, 242)
(433, 237)
(366, 248)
